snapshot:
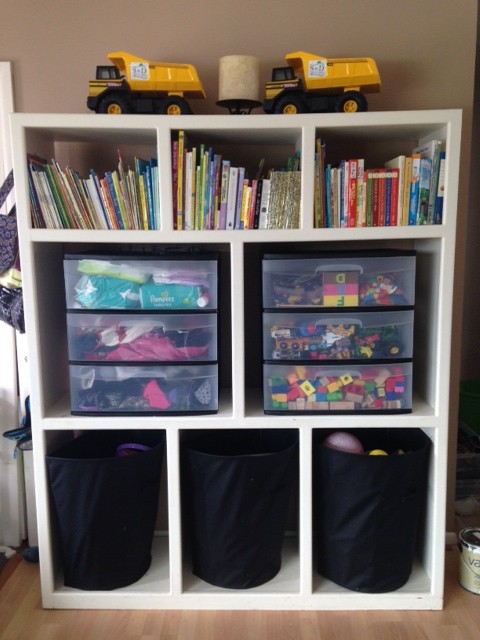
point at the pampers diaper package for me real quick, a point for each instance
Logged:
(97, 283)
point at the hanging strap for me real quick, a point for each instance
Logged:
(6, 187)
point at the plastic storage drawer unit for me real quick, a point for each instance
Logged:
(350, 388)
(123, 282)
(135, 337)
(147, 390)
(359, 335)
(339, 279)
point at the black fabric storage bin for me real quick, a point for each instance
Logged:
(106, 506)
(236, 487)
(368, 509)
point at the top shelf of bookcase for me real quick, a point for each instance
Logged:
(262, 128)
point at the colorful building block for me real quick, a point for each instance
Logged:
(340, 289)
(307, 388)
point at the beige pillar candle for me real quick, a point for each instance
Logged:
(239, 78)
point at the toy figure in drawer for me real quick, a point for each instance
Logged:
(335, 289)
(313, 341)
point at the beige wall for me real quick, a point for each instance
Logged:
(425, 50)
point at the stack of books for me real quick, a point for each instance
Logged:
(124, 198)
(210, 192)
(407, 190)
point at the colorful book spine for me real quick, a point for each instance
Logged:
(438, 209)
(414, 190)
(398, 163)
(424, 190)
(174, 181)
(264, 202)
(393, 175)
(361, 195)
(406, 190)
(238, 205)
(180, 179)
(222, 221)
(351, 200)
(232, 198)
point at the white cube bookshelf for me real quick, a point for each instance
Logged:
(80, 140)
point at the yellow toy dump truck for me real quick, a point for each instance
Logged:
(312, 84)
(134, 85)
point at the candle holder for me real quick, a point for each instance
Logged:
(239, 106)
(238, 87)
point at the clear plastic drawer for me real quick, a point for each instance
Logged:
(141, 283)
(338, 389)
(148, 390)
(374, 335)
(135, 337)
(339, 280)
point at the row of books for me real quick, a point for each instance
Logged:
(408, 190)
(125, 198)
(211, 193)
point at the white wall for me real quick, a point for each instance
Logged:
(425, 52)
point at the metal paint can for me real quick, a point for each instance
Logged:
(469, 568)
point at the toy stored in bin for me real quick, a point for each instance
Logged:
(368, 509)
(385, 388)
(326, 336)
(104, 506)
(339, 279)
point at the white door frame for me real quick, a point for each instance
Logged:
(12, 509)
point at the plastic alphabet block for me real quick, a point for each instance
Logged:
(395, 404)
(346, 378)
(280, 388)
(307, 387)
(335, 396)
(340, 289)
(382, 376)
(300, 402)
(301, 373)
(294, 393)
(354, 393)
(342, 406)
(292, 378)
(368, 401)
(332, 387)
(369, 386)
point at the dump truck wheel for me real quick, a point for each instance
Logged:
(351, 102)
(175, 107)
(114, 105)
(289, 105)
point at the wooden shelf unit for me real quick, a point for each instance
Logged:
(80, 141)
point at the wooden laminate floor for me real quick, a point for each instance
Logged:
(22, 618)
